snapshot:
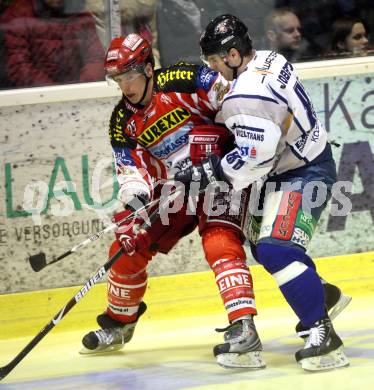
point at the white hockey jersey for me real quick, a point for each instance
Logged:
(274, 122)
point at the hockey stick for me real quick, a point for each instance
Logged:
(39, 261)
(5, 370)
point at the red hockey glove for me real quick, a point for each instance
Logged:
(206, 140)
(130, 234)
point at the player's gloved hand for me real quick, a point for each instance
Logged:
(137, 202)
(209, 171)
(134, 195)
(130, 234)
(205, 140)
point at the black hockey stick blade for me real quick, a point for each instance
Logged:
(38, 261)
(5, 370)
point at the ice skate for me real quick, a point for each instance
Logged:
(242, 347)
(323, 349)
(335, 302)
(112, 336)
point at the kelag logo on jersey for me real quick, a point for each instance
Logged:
(164, 125)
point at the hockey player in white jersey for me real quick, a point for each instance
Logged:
(282, 145)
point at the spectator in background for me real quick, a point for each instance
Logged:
(3, 82)
(4, 4)
(317, 17)
(136, 16)
(349, 37)
(283, 34)
(179, 24)
(100, 14)
(2, 62)
(3, 78)
(179, 29)
(50, 42)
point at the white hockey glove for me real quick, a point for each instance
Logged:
(134, 192)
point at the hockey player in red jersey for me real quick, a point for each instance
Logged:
(164, 123)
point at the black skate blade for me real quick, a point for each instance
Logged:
(38, 261)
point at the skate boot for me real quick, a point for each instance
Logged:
(242, 347)
(335, 302)
(323, 349)
(112, 336)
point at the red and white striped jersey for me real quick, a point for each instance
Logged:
(151, 142)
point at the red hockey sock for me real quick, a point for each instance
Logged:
(127, 283)
(226, 257)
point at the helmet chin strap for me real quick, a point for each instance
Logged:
(235, 68)
(147, 80)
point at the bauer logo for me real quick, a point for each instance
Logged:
(203, 139)
(87, 287)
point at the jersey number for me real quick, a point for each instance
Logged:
(234, 158)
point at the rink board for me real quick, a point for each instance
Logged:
(57, 197)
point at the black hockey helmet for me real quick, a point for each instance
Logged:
(223, 33)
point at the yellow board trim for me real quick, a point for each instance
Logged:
(172, 296)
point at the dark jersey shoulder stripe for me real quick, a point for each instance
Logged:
(181, 77)
(117, 125)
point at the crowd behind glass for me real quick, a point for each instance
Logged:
(54, 42)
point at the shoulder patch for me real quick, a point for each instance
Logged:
(177, 78)
(117, 126)
(206, 78)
